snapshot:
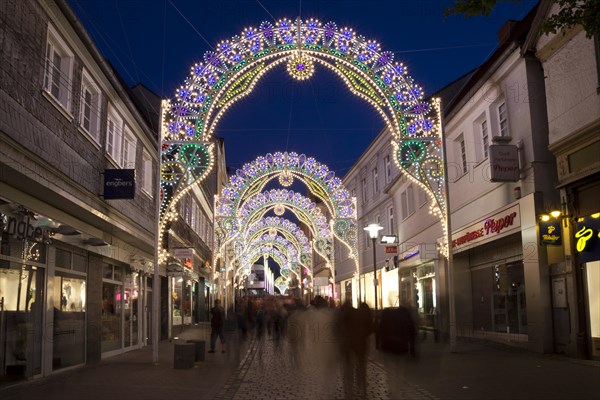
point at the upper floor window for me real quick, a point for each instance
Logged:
(129, 148)
(114, 135)
(120, 142)
(58, 69)
(461, 149)
(423, 197)
(375, 181)
(391, 220)
(364, 190)
(503, 119)
(408, 202)
(147, 173)
(485, 141)
(388, 169)
(89, 111)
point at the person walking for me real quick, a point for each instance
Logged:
(216, 327)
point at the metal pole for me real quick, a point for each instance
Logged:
(375, 274)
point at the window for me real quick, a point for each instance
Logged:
(58, 69)
(388, 169)
(462, 153)
(503, 120)
(147, 173)
(89, 111)
(364, 190)
(114, 136)
(423, 197)
(375, 181)
(121, 144)
(408, 202)
(391, 220)
(484, 138)
(129, 147)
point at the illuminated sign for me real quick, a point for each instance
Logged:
(587, 238)
(498, 224)
(119, 184)
(550, 233)
(391, 249)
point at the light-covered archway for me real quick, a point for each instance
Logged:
(235, 67)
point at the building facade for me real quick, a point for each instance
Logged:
(76, 258)
(501, 122)
(571, 65)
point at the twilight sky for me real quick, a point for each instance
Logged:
(156, 42)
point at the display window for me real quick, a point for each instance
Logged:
(21, 316)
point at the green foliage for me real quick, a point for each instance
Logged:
(572, 13)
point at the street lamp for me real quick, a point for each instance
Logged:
(373, 230)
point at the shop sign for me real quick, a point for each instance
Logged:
(186, 252)
(488, 229)
(119, 184)
(24, 230)
(550, 233)
(504, 163)
(391, 249)
(587, 238)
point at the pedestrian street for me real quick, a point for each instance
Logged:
(269, 371)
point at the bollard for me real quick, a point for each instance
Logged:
(200, 349)
(184, 355)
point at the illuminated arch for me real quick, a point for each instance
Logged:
(321, 182)
(278, 201)
(286, 228)
(231, 72)
(283, 245)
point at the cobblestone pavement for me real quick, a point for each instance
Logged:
(269, 371)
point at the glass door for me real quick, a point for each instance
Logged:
(68, 347)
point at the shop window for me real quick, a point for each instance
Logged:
(22, 289)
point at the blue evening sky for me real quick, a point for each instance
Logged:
(155, 42)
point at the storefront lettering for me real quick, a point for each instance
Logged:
(467, 237)
(496, 225)
(487, 227)
(24, 230)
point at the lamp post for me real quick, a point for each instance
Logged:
(373, 230)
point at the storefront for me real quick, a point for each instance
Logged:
(64, 299)
(490, 278)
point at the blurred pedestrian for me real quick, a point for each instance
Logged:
(362, 328)
(346, 337)
(216, 327)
